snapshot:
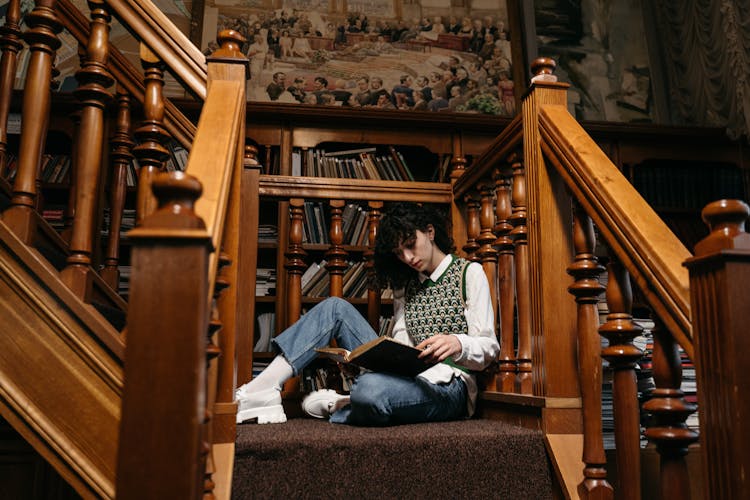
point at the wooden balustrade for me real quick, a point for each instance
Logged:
(473, 227)
(586, 290)
(373, 290)
(94, 79)
(121, 157)
(505, 380)
(42, 38)
(620, 330)
(10, 45)
(336, 255)
(519, 235)
(151, 151)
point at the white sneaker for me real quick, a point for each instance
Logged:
(322, 403)
(263, 405)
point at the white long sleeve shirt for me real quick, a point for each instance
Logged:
(479, 346)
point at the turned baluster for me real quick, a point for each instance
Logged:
(94, 79)
(622, 355)
(586, 290)
(11, 45)
(486, 252)
(295, 263)
(43, 42)
(373, 288)
(151, 135)
(670, 410)
(519, 234)
(336, 255)
(473, 228)
(70, 208)
(215, 334)
(121, 158)
(506, 280)
(458, 167)
(721, 268)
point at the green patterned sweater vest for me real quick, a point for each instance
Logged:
(432, 308)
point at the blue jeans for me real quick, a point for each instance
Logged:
(376, 398)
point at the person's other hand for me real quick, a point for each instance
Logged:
(439, 347)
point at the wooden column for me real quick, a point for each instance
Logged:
(506, 280)
(519, 235)
(151, 134)
(458, 167)
(472, 228)
(94, 79)
(586, 289)
(166, 373)
(121, 158)
(336, 255)
(486, 252)
(669, 409)
(622, 355)
(373, 289)
(295, 263)
(10, 45)
(43, 42)
(719, 275)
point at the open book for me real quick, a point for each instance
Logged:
(381, 355)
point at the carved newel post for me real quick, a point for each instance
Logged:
(159, 455)
(720, 302)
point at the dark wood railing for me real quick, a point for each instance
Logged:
(526, 210)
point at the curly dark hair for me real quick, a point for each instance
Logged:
(399, 223)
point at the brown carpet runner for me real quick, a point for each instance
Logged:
(308, 458)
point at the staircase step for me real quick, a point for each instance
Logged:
(309, 458)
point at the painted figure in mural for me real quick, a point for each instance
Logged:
(301, 47)
(285, 45)
(363, 96)
(257, 55)
(402, 94)
(297, 89)
(277, 86)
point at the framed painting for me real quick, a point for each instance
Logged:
(424, 55)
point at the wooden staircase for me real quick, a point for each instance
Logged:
(526, 210)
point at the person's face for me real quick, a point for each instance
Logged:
(318, 84)
(281, 79)
(376, 84)
(419, 252)
(362, 85)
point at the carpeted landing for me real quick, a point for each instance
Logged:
(308, 458)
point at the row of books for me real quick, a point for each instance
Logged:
(316, 224)
(265, 281)
(316, 280)
(679, 186)
(55, 168)
(362, 163)
(127, 222)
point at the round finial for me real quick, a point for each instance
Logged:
(542, 68)
(726, 220)
(728, 215)
(230, 44)
(176, 191)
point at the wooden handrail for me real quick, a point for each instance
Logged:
(641, 240)
(279, 186)
(507, 141)
(153, 28)
(214, 155)
(127, 75)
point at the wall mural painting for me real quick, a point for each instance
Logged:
(425, 55)
(601, 49)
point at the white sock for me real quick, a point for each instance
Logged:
(273, 377)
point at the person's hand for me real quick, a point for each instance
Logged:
(439, 347)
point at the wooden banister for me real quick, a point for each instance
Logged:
(650, 252)
(10, 45)
(127, 76)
